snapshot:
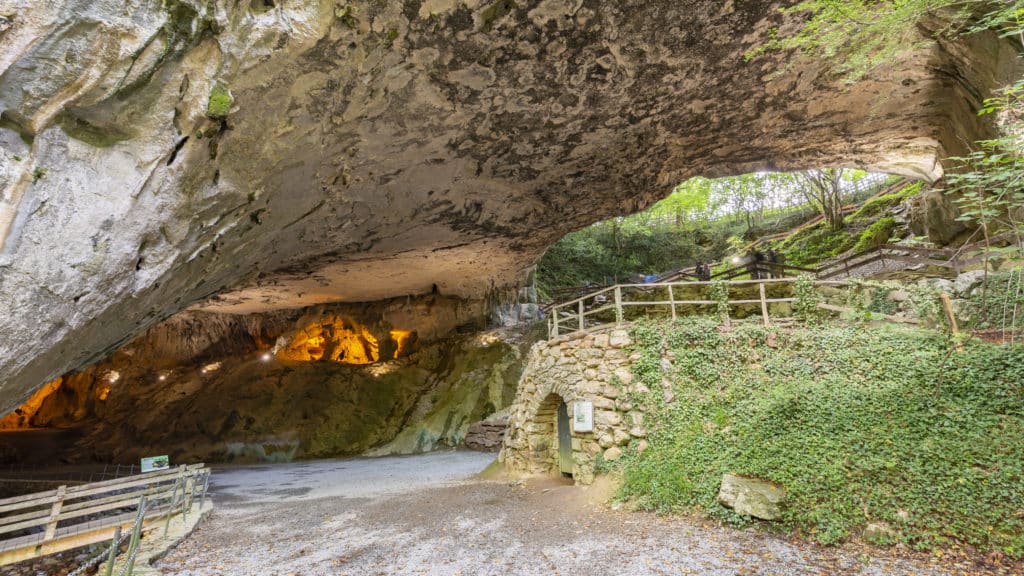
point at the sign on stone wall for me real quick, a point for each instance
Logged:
(155, 463)
(582, 417)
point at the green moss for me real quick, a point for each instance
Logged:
(874, 207)
(814, 244)
(219, 104)
(38, 173)
(876, 235)
(859, 424)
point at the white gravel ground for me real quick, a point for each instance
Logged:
(425, 515)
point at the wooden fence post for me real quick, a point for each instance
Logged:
(113, 551)
(764, 304)
(583, 325)
(554, 321)
(51, 525)
(672, 300)
(618, 304)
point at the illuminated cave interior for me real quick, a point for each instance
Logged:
(346, 342)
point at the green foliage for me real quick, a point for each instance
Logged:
(814, 244)
(875, 206)
(850, 420)
(38, 173)
(219, 104)
(805, 306)
(719, 292)
(999, 304)
(876, 234)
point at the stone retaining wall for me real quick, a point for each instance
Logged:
(591, 368)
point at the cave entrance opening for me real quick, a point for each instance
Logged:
(806, 217)
(553, 419)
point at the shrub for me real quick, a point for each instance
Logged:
(219, 104)
(858, 423)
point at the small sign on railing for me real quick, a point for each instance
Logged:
(152, 463)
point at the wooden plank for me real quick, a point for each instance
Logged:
(947, 306)
(764, 304)
(29, 500)
(51, 526)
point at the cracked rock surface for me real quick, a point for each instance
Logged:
(245, 156)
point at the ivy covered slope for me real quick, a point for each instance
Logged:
(859, 424)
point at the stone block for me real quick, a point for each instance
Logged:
(601, 402)
(620, 436)
(590, 374)
(577, 444)
(591, 448)
(636, 418)
(752, 496)
(623, 405)
(619, 339)
(610, 392)
(641, 446)
(624, 375)
(605, 441)
(612, 454)
(638, 432)
(601, 341)
(607, 417)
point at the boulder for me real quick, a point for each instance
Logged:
(931, 214)
(967, 282)
(879, 533)
(752, 496)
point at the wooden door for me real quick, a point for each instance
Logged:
(564, 440)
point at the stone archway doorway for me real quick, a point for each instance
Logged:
(564, 440)
(552, 421)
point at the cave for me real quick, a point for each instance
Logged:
(297, 193)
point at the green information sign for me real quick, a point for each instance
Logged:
(155, 463)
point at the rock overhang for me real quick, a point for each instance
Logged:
(378, 149)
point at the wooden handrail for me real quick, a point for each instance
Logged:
(69, 512)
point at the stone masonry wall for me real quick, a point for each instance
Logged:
(591, 368)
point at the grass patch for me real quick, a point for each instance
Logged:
(859, 424)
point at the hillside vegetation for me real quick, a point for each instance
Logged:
(858, 423)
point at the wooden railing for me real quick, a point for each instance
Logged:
(72, 516)
(609, 306)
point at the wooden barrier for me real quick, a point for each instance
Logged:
(71, 516)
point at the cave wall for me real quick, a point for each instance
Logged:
(240, 157)
(207, 386)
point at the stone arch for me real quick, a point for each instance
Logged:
(545, 442)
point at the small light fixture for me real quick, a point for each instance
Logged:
(735, 259)
(266, 357)
(162, 377)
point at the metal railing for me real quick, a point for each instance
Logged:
(53, 521)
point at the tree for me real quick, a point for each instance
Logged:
(823, 189)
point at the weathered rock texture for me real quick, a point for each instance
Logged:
(752, 496)
(156, 153)
(591, 369)
(210, 386)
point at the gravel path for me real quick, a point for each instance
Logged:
(424, 515)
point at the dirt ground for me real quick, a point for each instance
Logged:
(429, 515)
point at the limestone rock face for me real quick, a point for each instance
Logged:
(245, 156)
(751, 496)
(932, 214)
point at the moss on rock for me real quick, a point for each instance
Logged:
(219, 104)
